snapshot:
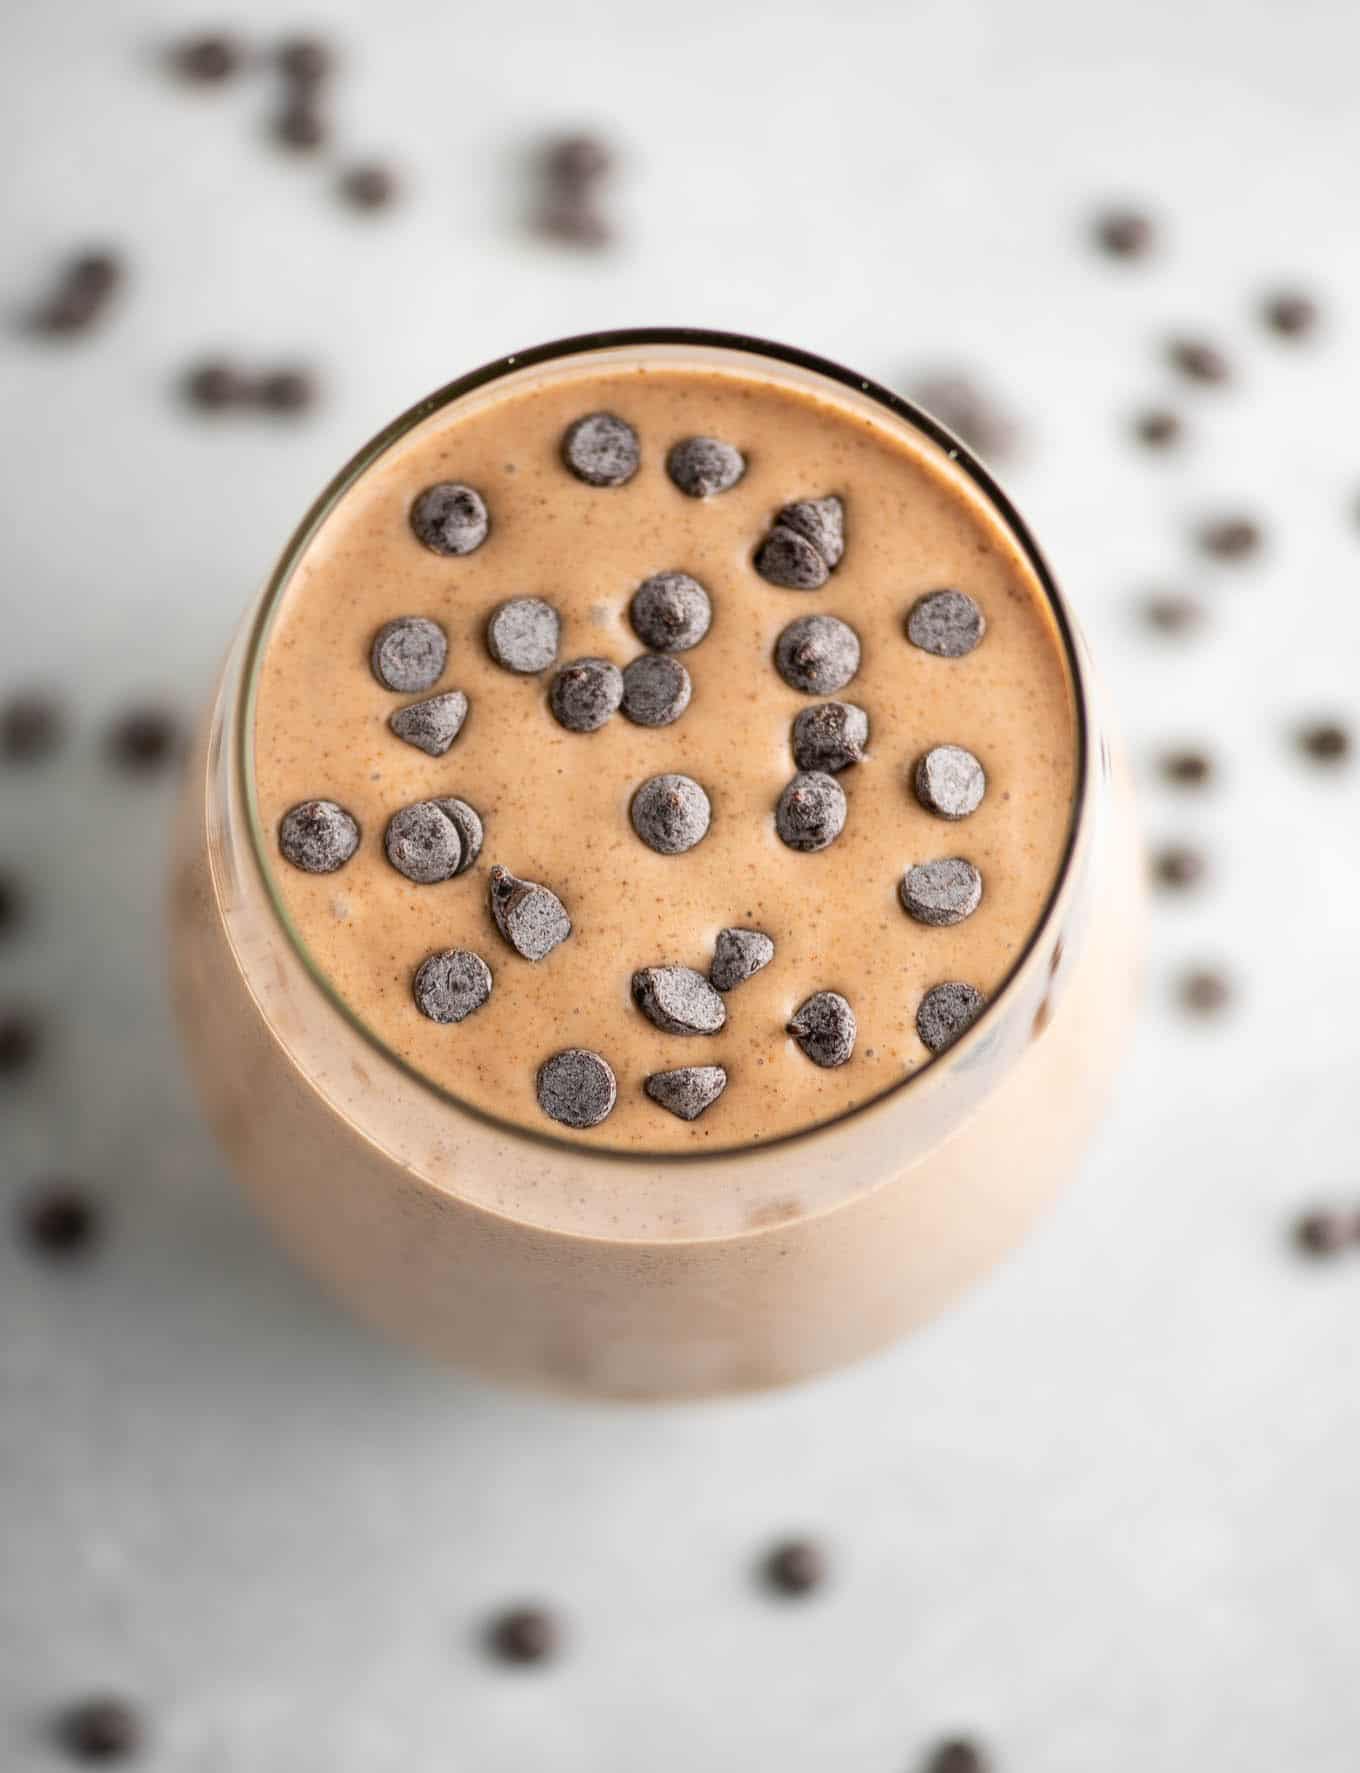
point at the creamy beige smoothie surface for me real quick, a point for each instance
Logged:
(647, 791)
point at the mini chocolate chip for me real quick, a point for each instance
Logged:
(585, 694)
(810, 813)
(1204, 992)
(97, 273)
(576, 159)
(943, 892)
(577, 1087)
(1325, 741)
(703, 466)
(670, 813)
(824, 1027)
(678, 1000)
(70, 309)
(408, 654)
(670, 612)
(947, 1011)
(1172, 613)
(1199, 360)
(958, 1755)
(1290, 314)
(738, 955)
(830, 736)
(1178, 866)
(950, 782)
(290, 390)
(1324, 1233)
(449, 986)
(143, 740)
(571, 215)
(422, 842)
(948, 624)
(21, 1040)
(1230, 538)
(1158, 428)
(208, 59)
(970, 411)
(369, 185)
(805, 544)
(59, 1221)
(523, 634)
(450, 519)
(817, 654)
(100, 1729)
(602, 449)
(656, 690)
(432, 725)
(300, 124)
(215, 385)
(32, 726)
(531, 1634)
(11, 904)
(532, 919)
(1187, 769)
(1124, 233)
(305, 60)
(688, 1091)
(467, 822)
(797, 1567)
(318, 836)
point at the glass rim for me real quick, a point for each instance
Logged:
(582, 345)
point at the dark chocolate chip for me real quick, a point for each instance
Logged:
(817, 654)
(301, 124)
(1199, 360)
(408, 654)
(670, 813)
(576, 159)
(100, 1729)
(69, 310)
(656, 690)
(810, 813)
(958, 1755)
(215, 385)
(970, 411)
(585, 694)
(602, 449)
(143, 740)
(796, 1567)
(950, 782)
(369, 186)
(11, 904)
(830, 736)
(943, 892)
(32, 726)
(422, 842)
(290, 390)
(703, 466)
(1124, 233)
(678, 1000)
(531, 1634)
(1324, 1233)
(805, 544)
(822, 522)
(532, 919)
(318, 836)
(948, 624)
(208, 59)
(305, 60)
(1158, 428)
(1172, 613)
(577, 1087)
(1325, 741)
(21, 1040)
(572, 216)
(1178, 866)
(449, 986)
(1187, 769)
(738, 955)
(523, 633)
(59, 1221)
(824, 1027)
(670, 612)
(431, 726)
(450, 519)
(688, 1091)
(96, 273)
(1204, 992)
(467, 822)
(1230, 538)
(1290, 314)
(947, 1011)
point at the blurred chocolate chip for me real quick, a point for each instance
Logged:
(100, 1729)
(687, 1091)
(1178, 866)
(301, 124)
(1230, 538)
(449, 986)
(467, 822)
(59, 1220)
(670, 813)
(450, 519)
(1290, 314)
(1124, 233)
(423, 843)
(678, 1000)
(703, 466)
(830, 736)
(1198, 360)
(522, 634)
(577, 1088)
(1171, 612)
(941, 893)
(531, 917)
(528, 1634)
(670, 612)
(21, 1040)
(208, 59)
(431, 726)
(948, 624)
(81, 292)
(574, 217)
(585, 694)
(286, 390)
(810, 813)
(97, 273)
(946, 1012)
(949, 781)
(408, 653)
(974, 416)
(216, 384)
(1187, 768)
(1325, 1232)
(11, 904)
(1204, 992)
(824, 1026)
(370, 185)
(1158, 427)
(305, 61)
(958, 1755)
(656, 690)
(817, 654)
(602, 449)
(576, 159)
(1325, 741)
(32, 726)
(143, 740)
(738, 955)
(797, 1567)
(318, 836)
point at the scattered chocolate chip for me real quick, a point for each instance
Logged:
(943, 892)
(532, 919)
(87, 281)
(1178, 866)
(703, 466)
(571, 215)
(656, 690)
(1124, 233)
(830, 736)
(369, 186)
(810, 813)
(585, 694)
(958, 1755)
(1158, 428)
(972, 413)
(59, 1221)
(1204, 992)
(576, 159)
(950, 782)
(805, 544)
(1324, 1233)
(285, 391)
(948, 624)
(1230, 538)
(100, 1729)
(1290, 314)
(577, 1087)
(96, 273)
(523, 634)
(301, 124)
(422, 842)
(1199, 360)
(32, 726)
(670, 612)
(1186, 768)
(449, 986)
(467, 822)
(678, 1000)
(824, 1027)
(1172, 613)
(1325, 741)
(738, 955)
(21, 1040)
(797, 1567)
(817, 654)
(305, 61)
(602, 449)
(530, 1634)
(947, 1011)
(431, 726)
(318, 836)
(143, 740)
(215, 385)
(11, 904)
(450, 519)
(408, 654)
(208, 59)
(670, 813)
(688, 1091)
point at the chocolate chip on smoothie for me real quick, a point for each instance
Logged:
(824, 1027)
(958, 1755)
(947, 1011)
(422, 843)
(431, 726)
(1199, 360)
(1124, 233)
(32, 726)
(21, 1040)
(1325, 741)
(1231, 538)
(678, 1000)
(60, 1221)
(797, 1567)
(1290, 314)
(688, 1091)
(817, 654)
(941, 893)
(670, 612)
(948, 624)
(532, 1634)
(738, 955)
(408, 654)
(532, 919)
(656, 690)
(585, 694)
(523, 633)
(449, 986)
(100, 1729)
(670, 813)
(318, 836)
(602, 449)
(208, 59)
(467, 821)
(830, 736)
(702, 466)
(1157, 427)
(810, 813)
(450, 519)
(950, 782)
(577, 1087)
(805, 544)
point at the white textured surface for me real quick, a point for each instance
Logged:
(1105, 1513)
